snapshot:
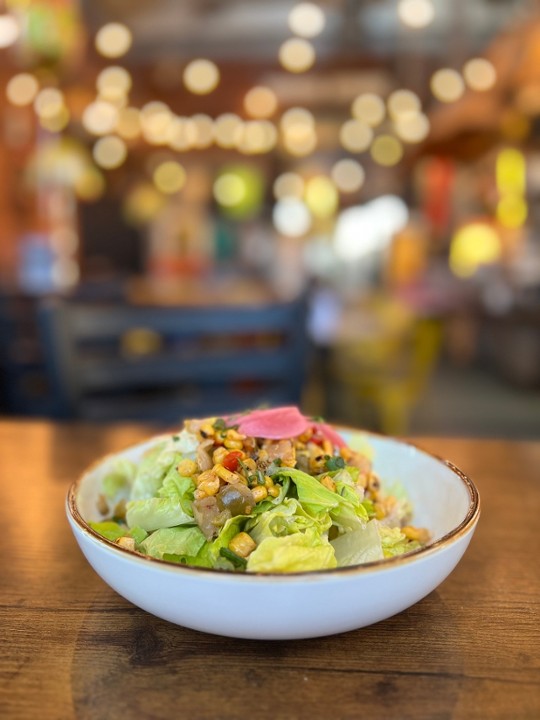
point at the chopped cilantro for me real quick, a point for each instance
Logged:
(220, 424)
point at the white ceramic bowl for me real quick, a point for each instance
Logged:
(299, 605)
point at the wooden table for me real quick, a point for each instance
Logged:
(73, 648)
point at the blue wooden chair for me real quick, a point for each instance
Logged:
(120, 362)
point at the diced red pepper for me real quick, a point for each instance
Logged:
(230, 461)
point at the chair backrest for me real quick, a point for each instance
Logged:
(120, 362)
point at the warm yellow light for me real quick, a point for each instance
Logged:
(511, 172)
(447, 85)
(355, 135)
(181, 134)
(156, 119)
(109, 152)
(142, 204)
(403, 102)
(229, 189)
(113, 40)
(169, 177)
(9, 30)
(348, 175)
(296, 116)
(386, 150)
(128, 125)
(288, 184)
(512, 211)
(201, 76)
(307, 20)
(49, 102)
(412, 127)
(369, 108)
(56, 122)
(480, 74)
(226, 129)
(204, 128)
(22, 89)
(300, 139)
(416, 13)
(257, 136)
(321, 196)
(260, 102)
(297, 55)
(113, 83)
(90, 184)
(100, 118)
(473, 245)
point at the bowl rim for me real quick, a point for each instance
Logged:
(463, 528)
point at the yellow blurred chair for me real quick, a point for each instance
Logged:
(390, 370)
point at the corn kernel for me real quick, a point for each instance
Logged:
(242, 544)
(259, 492)
(126, 542)
(233, 434)
(219, 455)
(273, 491)
(207, 430)
(226, 475)
(187, 467)
(233, 444)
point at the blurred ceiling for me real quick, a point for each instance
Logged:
(237, 29)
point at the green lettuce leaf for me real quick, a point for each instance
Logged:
(182, 542)
(117, 483)
(299, 552)
(394, 542)
(156, 513)
(286, 519)
(151, 471)
(358, 546)
(113, 530)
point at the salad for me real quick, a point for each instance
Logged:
(268, 491)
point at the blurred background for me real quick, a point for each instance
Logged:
(208, 205)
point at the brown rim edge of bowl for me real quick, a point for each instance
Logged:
(468, 522)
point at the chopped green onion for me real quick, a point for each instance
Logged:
(334, 463)
(237, 561)
(220, 424)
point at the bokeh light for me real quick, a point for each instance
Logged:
(355, 135)
(142, 204)
(113, 40)
(156, 118)
(9, 30)
(307, 20)
(100, 118)
(288, 184)
(291, 217)
(109, 152)
(57, 121)
(229, 189)
(22, 89)
(297, 55)
(512, 211)
(412, 127)
(113, 83)
(169, 177)
(181, 134)
(201, 76)
(369, 108)
(348, 175)
(128, 124)
(416, 13)
(480, 74)
(386, 150)
(447, 85)
(226, 129)
(321, 196)
(473, 245)
(403, 102)
(204, 129)
(260, 102)
(49, 102)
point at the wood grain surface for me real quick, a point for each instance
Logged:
(72, 648)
